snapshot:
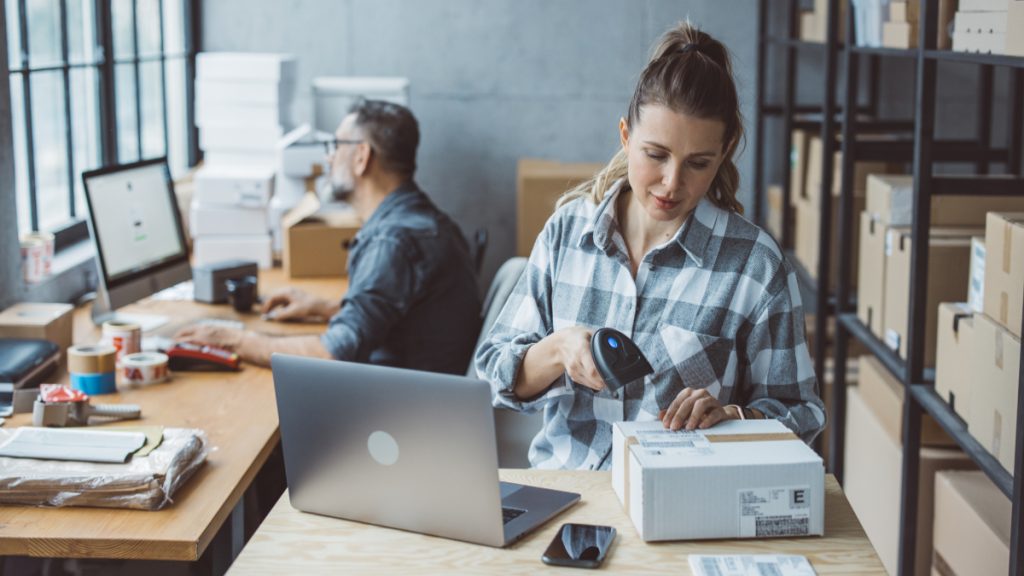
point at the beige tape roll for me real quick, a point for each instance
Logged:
(92, 359)
(144, 368)
(124, 336)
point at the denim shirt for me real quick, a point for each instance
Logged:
(412, 300)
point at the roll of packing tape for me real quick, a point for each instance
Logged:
(95, 383)
(124, 336)
(144, 368)
(92, 359)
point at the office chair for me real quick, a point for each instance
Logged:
(477, 249)
(515, 430)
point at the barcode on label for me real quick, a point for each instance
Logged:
(764, 569)
(710, 567)
(768, 526)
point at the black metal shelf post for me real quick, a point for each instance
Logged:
(924, 152)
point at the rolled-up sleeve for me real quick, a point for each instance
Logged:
(524, 320)
(783, 384)
(380, 293)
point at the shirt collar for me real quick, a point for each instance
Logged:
(693, 236)
(391, 202)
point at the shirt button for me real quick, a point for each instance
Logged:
(615, 394)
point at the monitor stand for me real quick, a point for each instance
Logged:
(101, 313)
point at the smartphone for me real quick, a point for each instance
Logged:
(579, 545)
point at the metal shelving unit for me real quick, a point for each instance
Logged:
(923, 151)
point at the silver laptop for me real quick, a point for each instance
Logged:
(401, 448)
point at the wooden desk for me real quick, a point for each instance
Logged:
(238, 413)
(293, 542)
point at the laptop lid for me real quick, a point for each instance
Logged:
(398, 448)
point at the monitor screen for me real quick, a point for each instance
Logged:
(135, 219)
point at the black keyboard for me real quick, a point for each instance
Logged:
(510, 514)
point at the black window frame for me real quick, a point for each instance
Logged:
(104, 63)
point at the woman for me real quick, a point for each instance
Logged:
(655, 246)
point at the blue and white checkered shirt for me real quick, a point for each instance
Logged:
(715, 307)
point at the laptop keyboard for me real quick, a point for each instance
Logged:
(510, 514)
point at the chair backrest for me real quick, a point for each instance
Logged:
(515, 430)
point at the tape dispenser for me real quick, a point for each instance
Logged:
(61, 406)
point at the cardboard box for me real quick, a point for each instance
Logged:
(884, 396)
(227, 91)
(244, 159)
(954, 378)
(1015, 21)
(982, 32)
(724, 482)
(218, 220)
(539, 184)
(234, 186)
(815, 161)
(235, 117)
(976, 278)
(995, 368)
(240, 137)
(873, 479)
(44, 321)
(899, 35)
(1004, 269)
(246, 66)
(775, 213)
(898, 12)
(213, 249)
(810, 30)
(316, 239)
(806, 245)
(972, 525)
(910, 12)
(798, 151)
(983, 5)
(890, 200)
(871, 274)
(949, 255)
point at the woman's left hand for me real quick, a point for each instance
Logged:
(695, 408)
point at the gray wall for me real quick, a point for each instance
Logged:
(491, 81)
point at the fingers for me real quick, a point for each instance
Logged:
(278, 299)
(688, 409)
(714, 417)
(288, 311)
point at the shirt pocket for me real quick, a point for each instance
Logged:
(701, 361)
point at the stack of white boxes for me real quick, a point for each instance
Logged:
(242, 111)
(981, 26)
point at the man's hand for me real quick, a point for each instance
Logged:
(696, 408)
(292, 304)
(220, 336)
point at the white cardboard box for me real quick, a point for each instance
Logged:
(234, 186)
(219, 220)
(246, 66)
(739, 479)
(240, 137)
(214, 90)
(213, 249)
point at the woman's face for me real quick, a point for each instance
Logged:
(673, 158)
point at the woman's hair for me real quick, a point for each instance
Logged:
(690, 73)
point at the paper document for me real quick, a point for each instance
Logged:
(742, 565)
(75, 445)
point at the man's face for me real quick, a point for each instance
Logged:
(342, 175)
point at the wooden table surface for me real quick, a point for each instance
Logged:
(238, 413)
(293, 542)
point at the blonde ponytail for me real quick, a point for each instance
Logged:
(598, 186)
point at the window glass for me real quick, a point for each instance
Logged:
(177, 117)
(50, 149)
(127, 126)
(44, 39)
(148, 16)
(20, 153)
(85, 128)
(174, 27)
(13, 34)
(124, 31)
(152, 91)
(81, 32)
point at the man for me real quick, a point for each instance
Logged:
(412, 299)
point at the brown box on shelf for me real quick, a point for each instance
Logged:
(1004, 269)
(539, 184)
(861, 170)
(45, 321)
(775, 202)
(873, 479)
(798, 165)
(954, 376)
(883, 394)
(871, 274)
(971, 533)
(995, 368)
(806, 246)
(898, 12)
(909, 12)
(315, 241)
(890, 199)
(981, 32)
(949, 255)
(899, 34)
(1015, 21)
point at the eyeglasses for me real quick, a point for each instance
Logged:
(329, 145)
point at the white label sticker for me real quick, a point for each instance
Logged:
(767, 512)
(672, 439)
(889, 242)
(892, 339)
(750, 565)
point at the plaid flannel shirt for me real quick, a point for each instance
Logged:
(715, 307)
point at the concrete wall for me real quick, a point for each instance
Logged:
(490, 81)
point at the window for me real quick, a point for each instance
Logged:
(74, 108)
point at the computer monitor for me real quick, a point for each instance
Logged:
(136, 229)
(334, 95)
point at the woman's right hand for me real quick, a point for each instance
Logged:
(291, 304)
(577, 358)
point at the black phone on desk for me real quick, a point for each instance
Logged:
(579, 545)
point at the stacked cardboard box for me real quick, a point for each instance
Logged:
(1015, 22)
(972, 525)
(775, 211)
(874, 457)
(981, 26)
(814, 23)
(901, 31)
(242, 110)
(539, 184)
(953, 364)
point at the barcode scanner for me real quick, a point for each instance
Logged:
(618, 358)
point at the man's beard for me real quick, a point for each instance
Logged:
(339, 188)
